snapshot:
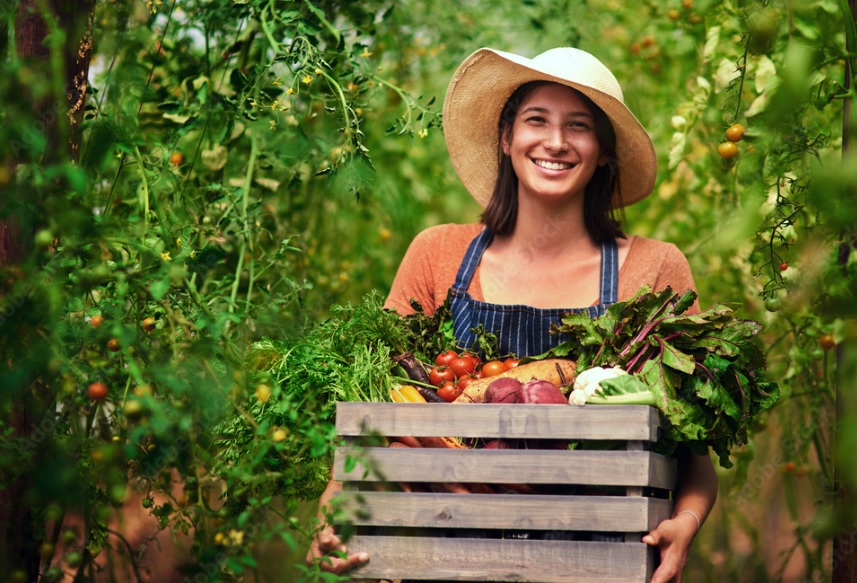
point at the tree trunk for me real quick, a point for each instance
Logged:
(58, 116)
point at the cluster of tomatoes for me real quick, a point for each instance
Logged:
(729, 149)
(453, 371)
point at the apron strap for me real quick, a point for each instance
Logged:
(609, 273)
(471, 260)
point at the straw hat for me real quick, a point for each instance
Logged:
(484, 82)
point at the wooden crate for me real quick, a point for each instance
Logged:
(470, 537)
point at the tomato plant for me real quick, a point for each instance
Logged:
(185, 187)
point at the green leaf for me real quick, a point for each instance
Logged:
(159, 288)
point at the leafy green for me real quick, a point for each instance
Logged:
(704, 372)
(347, 357)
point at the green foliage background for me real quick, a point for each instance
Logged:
(310, 154)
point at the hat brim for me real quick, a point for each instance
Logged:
(475, 98)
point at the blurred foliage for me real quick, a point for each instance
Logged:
(246, 165)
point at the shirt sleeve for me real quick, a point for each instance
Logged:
(659, 265)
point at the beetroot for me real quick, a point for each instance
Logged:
(541, 392)
(503, 390)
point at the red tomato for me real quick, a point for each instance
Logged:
(97, 391)
(441, 374)
(444, 358)
(448, 391)
(493, 368)
(465, 380)
(511, 363)
(462, 366)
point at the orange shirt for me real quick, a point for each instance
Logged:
(431, 263)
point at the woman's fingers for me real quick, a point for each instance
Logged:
(331, 555)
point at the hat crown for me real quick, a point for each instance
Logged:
(581, 68)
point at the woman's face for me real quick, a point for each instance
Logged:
(552, 144)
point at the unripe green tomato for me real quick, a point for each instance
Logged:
(773, 304)
(53, 575)
(117, 494)
(763, 26)
(73, 559)
(46, 550)
(43, 238)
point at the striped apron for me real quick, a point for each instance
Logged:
(521, 330)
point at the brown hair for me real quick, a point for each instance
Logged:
(502, 210)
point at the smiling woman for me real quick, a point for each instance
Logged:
(548, 147)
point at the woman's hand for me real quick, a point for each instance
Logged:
(673, 538)
(328, 551)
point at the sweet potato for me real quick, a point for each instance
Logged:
(541, 369)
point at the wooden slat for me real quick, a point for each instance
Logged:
(459, 559)
(613, 422)
(505, 511)
(507, 466)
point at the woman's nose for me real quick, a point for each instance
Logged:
(556, 139)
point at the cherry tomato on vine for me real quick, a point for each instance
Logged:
(493, 368)
(462, 366)
(113, 345)
(827, 341)
(96, 321)
(97, 391)
(444, 358)
(441, 374)
(735, 133)
(176, 158)
(511, 363)
(465, 380)
(449, 391)
(727, 150)
(148, 324)
(784, 266)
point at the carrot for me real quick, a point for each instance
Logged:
(555, 370)
(451, 487)
(407, 440)
(448, 442)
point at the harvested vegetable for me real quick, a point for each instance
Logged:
(503, 390)
(554, 370)
(704, 372)
(539, 392)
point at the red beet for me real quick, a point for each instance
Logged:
(503, 390)
(541, 392)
